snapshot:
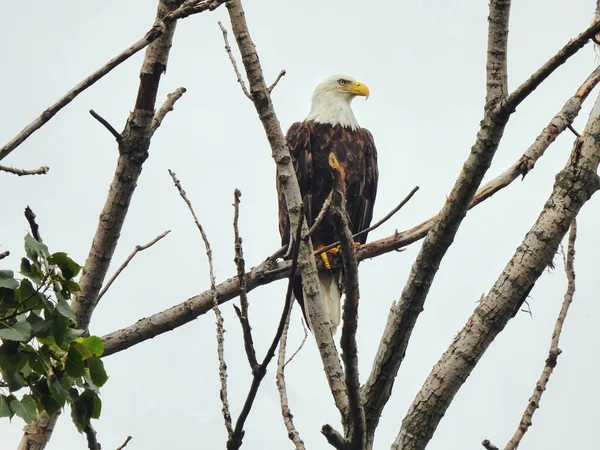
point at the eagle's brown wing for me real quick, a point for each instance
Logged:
(361, 212)
(299, 143)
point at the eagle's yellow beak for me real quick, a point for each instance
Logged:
(358, 88)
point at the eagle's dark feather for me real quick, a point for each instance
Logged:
(310, 144)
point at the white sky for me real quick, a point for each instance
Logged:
(424, 63)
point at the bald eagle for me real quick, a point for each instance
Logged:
(331, 128)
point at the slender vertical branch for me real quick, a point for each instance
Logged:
(288, 418)
(356, 420)
(220, 327)
(540, 387)
(235, 440)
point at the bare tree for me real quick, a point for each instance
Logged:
(360, 407)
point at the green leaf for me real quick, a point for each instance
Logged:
(5, 410)
(60, 325)
(57, 390)
(25, 409)
(74, 364)
(35, 248)
(19, 331)
(7, 280)
(68, 267)
(97, 372)
(80, 414)
(85, 352)
(92, 402)
(94, 344)
(65, 310)
(72, 335)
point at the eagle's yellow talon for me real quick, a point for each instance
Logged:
(356, 244)
(325, 260)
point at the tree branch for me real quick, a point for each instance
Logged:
(286, 177)
(220, 328)
(21, 172)
(574, 185)
(240, 79)
(106, 125)
(160, 27)
(279, 77)
(124, 444)
(496, 67)
(241, 270)
(488, 445)
(4, 254)
(540, 387)
(92, 441)
(356, 428)
(288, 418)
(167, 107)
(136, 250)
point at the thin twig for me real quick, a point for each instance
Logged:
(136, 250)
(235, 440)
(35, 229)
(320, 217)
(220, 328)
(540, 387)
(288, 418)
(488, 445)
(106, 124)
(573, 130)
(356, 420)
(376, 224)
(4, 254)
(279, 77)
(289, 360)
(20, 172)
(241, 271)
(124, 444)
(166, 107)
(233, 62)
(158, 29)
(92, 440)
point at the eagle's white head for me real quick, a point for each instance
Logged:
(331, 101)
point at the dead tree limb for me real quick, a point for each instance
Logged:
(220, 328)
(22, 172)
(162, 25)
(167, 107)
(136, 250)
(356, 429)
(288, 418)
(286, 176)
(574, 185)
(540, 387)
(240, 264)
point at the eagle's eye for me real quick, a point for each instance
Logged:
(342, 82)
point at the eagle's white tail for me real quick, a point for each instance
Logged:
(330, 287)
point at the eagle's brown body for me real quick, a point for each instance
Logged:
(310, 144)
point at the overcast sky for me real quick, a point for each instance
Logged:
(424, 63)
